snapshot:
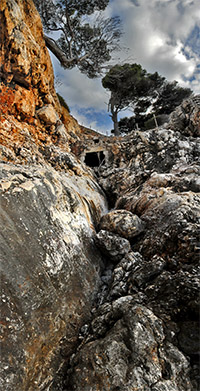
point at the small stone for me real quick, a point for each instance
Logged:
(113, 246)
(61, 132)
(123, 223)
(48, 115)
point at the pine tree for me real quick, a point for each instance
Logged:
(146, 94)
(84, 38)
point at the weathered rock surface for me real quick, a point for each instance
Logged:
(146, 153)
(24, 60)
(32, 120)
(112, 245)
(50, 269)
(177, 213)
(133, 355)
(186, 117)
(155, 177)
(48, 115)
(113, 310)
(50, 205)
(122, 222)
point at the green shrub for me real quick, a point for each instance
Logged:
(62, 102)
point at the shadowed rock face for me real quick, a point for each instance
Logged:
(113, 246)
(132, 355)
(85, 310)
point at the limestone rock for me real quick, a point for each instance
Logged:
(133, 272)
(123, 223)
(186, 117)
(27, 87)
(26, 70)
(177, 213)
(83, 311)
(112, 245)
(155, 176)
(61, 132)
(48, 115)
(132, 353)
(50, 270)
(143, 153)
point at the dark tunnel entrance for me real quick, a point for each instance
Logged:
(94, 159)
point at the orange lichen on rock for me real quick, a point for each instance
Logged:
(27, 80)
(24, 57)
(7, 97)
(31, 116)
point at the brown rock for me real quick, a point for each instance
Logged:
(24, 58)
(48, 115)
(123, 223)
(27, 85)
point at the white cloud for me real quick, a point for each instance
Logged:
(156, 32)
(78, 89)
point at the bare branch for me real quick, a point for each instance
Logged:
(52, 45)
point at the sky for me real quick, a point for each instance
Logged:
(161, 35)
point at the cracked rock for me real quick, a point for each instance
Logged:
(123, 223)
(112, 245)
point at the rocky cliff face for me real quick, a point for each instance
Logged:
(50, 269)
(50, 205)
(32, 119)
(25, 62)
(144, 332)
(92, 299)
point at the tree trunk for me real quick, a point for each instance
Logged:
(52, 45)
(115, 122)
(114, 113)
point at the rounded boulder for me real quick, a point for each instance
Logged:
(123, 223)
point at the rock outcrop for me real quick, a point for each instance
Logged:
(50, 269)
(25, 61)
(139, 336)
(92, 298)
(50, 206)
(32, 121)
